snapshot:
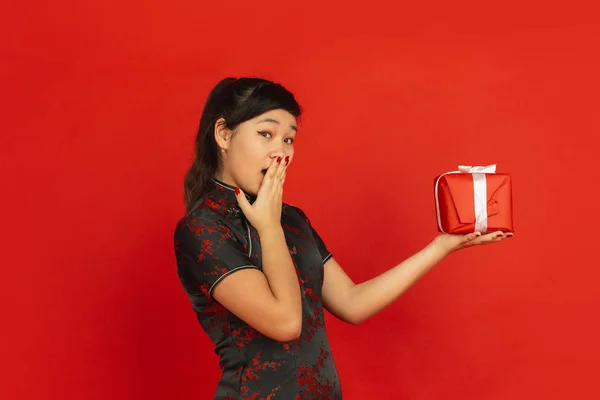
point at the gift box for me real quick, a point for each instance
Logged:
(473, 199)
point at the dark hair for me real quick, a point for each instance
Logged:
(236, 101)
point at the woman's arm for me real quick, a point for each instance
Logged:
(355, 303)
(269, 301)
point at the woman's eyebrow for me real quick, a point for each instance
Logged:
(277, 122)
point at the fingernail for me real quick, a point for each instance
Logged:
(278, 159)
(237, 191)
(287, 160)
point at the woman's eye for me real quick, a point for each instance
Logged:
(265, 134)
(289, 141)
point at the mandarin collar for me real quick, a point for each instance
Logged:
(225, 191)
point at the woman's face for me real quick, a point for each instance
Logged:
(256, 143)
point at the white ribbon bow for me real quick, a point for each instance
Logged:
(479, 190)
(488, 169)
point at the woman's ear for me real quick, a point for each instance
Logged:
(222, 134)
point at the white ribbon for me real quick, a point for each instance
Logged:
(479, 190)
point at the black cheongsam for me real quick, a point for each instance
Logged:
(215, 240)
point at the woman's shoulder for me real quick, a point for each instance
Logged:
(295, 212)
(200, 221)
(287, 208)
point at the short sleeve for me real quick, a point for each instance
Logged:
(325, 254)
(206, 252)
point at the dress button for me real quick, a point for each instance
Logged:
(234, 211)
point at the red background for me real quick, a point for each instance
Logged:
(100, 103)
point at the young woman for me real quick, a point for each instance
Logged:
(256, 271)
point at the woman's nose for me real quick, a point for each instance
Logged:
(278, 152)
(281, 150)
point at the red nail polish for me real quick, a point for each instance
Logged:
(278, 159)
(237, 191)
(287, 160)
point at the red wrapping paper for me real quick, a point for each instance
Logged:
(455, 198)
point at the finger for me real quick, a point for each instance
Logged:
(475, 238)
(505, 235)
(469, 239)
(286, 163)
(272, 170)
(242, 200)
(281, 168)
(471, 236)
(491, 235)
(267, 182)
(279, 185)
(494, 237)
(498, 236)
